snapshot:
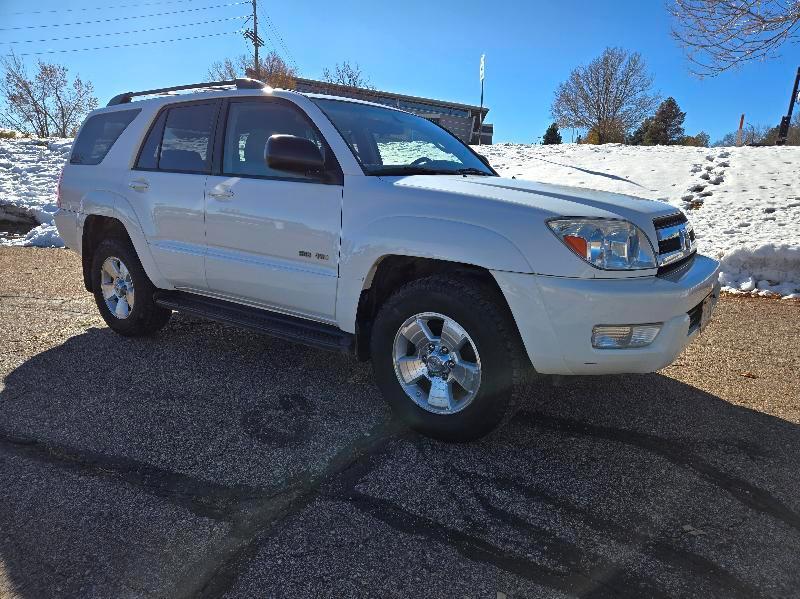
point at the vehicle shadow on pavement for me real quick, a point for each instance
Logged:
(209, 460)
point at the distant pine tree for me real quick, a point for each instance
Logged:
(552, 135)
(666, 127)
(637, 137)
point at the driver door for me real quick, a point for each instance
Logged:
(272, 236)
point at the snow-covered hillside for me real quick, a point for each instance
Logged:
(744, 203)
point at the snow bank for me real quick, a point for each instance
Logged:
(29, 170)
(43, 236)
(744, 203)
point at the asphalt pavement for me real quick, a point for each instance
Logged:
(214, 462)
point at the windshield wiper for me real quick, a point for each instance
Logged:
(421, 170)
(472, 171)
(409, 170)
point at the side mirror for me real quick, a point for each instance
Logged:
(484, 159)
(294, 154)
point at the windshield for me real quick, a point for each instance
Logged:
(390, 142)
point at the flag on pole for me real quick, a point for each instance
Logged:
(480, 113)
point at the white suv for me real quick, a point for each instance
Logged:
(360, 228)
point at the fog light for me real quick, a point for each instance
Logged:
(624, 336)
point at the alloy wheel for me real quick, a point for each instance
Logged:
(116, 285)
(436, 363)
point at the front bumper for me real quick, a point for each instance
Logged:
(555, 317)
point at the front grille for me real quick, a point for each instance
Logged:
(676, 239)
(662, 222)
(669, 245)
(695, 315)
(674, 244)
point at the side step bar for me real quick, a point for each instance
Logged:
(291, 328)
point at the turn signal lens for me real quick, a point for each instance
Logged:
(578, 245)
(624, 336)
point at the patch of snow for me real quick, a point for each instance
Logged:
(29, 170)
(43, 236)
(744, 203)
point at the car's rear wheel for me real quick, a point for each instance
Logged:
(123, 292)
(447, 357)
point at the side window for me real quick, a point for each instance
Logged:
(250, 125)
(186, 144)
(181, 140)
(98, 134)
(148, 157)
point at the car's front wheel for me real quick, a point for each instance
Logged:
(123, 292)
(447, 357)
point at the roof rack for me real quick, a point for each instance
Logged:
(238, 83)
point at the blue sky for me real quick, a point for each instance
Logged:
(423, 48)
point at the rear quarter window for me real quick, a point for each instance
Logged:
(98, 134)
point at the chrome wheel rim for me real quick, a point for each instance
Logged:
(436, 363)
(116, 286)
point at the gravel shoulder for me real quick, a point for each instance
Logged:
(211, 462)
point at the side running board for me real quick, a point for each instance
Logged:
(291, 328)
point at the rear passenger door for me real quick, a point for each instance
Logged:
(167, 188)
(272, 236)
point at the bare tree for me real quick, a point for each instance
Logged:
(760, 135)
(273, 70)
(609, 96)
(47, 104)
(720, 34)
(347, 74)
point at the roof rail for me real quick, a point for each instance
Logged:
(242, 83)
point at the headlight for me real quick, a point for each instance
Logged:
(605, 243)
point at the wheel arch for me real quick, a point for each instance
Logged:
(109, 215)
(392, 271)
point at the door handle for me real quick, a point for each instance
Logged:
(139, 185)
(221, 194)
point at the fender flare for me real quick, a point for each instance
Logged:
(417, 237)
(116, 206)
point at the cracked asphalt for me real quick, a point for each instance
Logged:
(214, 462)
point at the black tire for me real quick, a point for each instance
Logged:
(481, 311)
(145, 318)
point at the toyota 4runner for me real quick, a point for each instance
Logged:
(356, 227)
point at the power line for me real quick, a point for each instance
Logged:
(277, 35)
(177, 39)
(60, 10)
(77, 37)
(280, 38)
(158, 14)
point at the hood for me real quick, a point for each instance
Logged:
(552, 200)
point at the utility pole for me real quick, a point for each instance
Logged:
(783, 132)
(252, 35)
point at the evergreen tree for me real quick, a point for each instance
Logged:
(666, 127)
(552, 135)
(638, 136)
